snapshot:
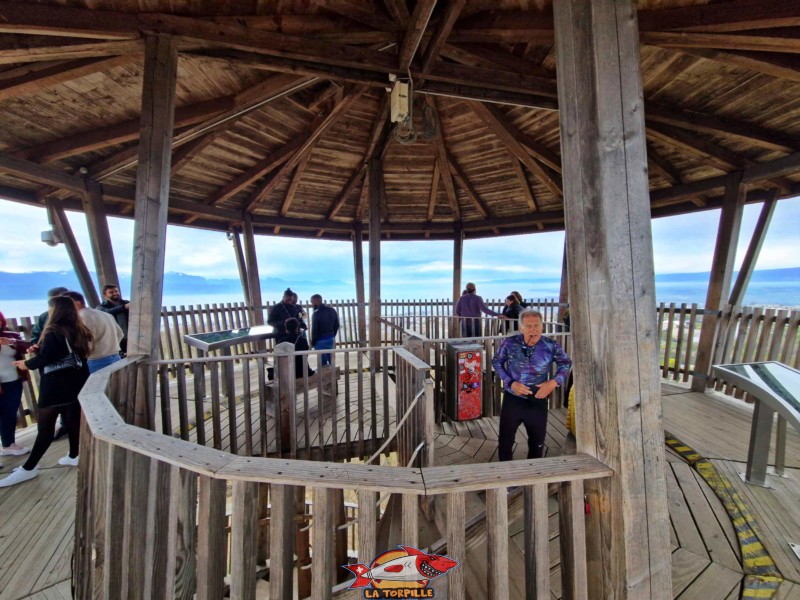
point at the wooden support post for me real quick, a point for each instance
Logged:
(302, 544)
(458, 258)
(99, 235)
(253, 280)
(730, 222)
(281, 541)
(286, 405)
(375, 195)
(244, 524)
(150, 212)
(242, 265)
(323, 529)
(361, 301)
(612, 293)
(753, 250)
(64, 231)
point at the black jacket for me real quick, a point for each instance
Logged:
(120, 316)
(324, 323)
(277, 318)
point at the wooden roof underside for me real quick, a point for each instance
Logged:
(280, 106)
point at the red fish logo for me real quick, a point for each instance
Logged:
(406, 567)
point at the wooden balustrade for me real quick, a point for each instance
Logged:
(162, 517)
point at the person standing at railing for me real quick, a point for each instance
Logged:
(324, 327)
(283, 311)
(511, 314)
(118, 308)
(61, 356)
(106, 333)
(12, 348)
(469, 307)
(523, 362)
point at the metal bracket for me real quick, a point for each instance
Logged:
(743, 477)
(795, 548)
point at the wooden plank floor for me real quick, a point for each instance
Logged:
(706, 560)
(37, 521)
(37, 518)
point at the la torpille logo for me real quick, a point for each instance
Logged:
(401, 573)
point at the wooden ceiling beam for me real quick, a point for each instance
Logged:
(70, 21)
(667, 171)
(72, 51)
(245, 102)
(482, 94)
(17, 195)
(365, 12)
(295, 183)
(490, 57)
(440, 154)
(103, 137)
(713, 125)
(434, 193)
(378, 133)
(782, 66)
(721, 158)
(268, 43)
(308, 145)
(398, 10)
(31, 171)
(464, 182)
(723, 17)
(721, 41)
(34, 77)
(503, 130)
(527, 192)
(416, 27)
(499, 79)
(443, 29)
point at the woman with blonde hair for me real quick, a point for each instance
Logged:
(61, 357)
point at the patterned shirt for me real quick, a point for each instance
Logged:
(530, 365)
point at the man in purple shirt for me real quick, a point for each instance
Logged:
(469, 307)
(523, 362)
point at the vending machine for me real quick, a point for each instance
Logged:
(465, 375)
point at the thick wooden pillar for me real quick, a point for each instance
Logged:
(753, 250)
(150, 213)
(612, 295)
(64, 230)
(253, 279)
(242, 266)
(361, 300)
(99, 235)
(375, 195)
(730, 223)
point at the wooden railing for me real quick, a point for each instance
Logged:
(155, 518)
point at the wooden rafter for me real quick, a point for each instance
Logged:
(245, 102)
(362, 201)
(527, 192)
(355, 178)
(434, 190)
(31, 171)
(466, 185)
(491, 57)
(502, 130)
(307, 146)
(96, 139)
(721, 41)
(295, 183)
(66, 21)
(398, 10)
(723, 17)
(34, 77)
(722, 158)
(416, 28)
(668, 171)
(445, 25)
(72, 51)
(695, 121)
(440, 154)
(365, 12)
(783, 66)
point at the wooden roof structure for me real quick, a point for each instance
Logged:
(280, 104)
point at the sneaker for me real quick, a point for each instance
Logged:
(14, 450)
(18, 475)
(60, 432)
(67, 461)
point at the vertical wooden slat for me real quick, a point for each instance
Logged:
(116, 499)
(160, 557)
(410, 525)
(497, 542)
(183, 404)
(537, 544)
(211, 551)
(323, 534)
(198, 372)
(281, 541)
(244, 547)
(572, 527)
(367, 525)
(456, 547)
(679, 343)
(135, 527)
(166, 410)
(186, 531)
(668, 340)
(216, 417)
(248, 406)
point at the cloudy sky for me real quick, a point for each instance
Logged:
(682, 244)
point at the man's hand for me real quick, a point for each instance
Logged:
(4, 341)
(546, 388)
(20, 364)
(520, 389)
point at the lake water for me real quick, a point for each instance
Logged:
(784, 293)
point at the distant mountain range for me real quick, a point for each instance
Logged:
(26, 286)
